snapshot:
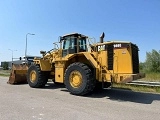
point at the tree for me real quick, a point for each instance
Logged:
(141, 66)
(5, 66)
(152, 63)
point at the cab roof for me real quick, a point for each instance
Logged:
(74, 34)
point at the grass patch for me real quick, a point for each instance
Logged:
(4, 75)
(5, 72)
(138, 88)
(154, 77)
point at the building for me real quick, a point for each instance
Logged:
(22, 60)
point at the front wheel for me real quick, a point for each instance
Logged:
(35, 77)
(79, 79)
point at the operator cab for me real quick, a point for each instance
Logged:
(73, 43)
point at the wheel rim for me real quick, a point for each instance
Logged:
(75, 79)
(33, 76)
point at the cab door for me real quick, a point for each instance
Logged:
(69, 46)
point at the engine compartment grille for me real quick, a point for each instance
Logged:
(110, 56)
(135, 58)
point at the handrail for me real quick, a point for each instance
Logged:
(100, 61)
(55, 44)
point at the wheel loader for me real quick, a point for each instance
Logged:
(81, 64)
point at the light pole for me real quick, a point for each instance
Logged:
(26, 46)
(12, 53)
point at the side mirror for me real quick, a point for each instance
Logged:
(20, 58)
(61, 38)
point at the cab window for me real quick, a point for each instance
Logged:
(66, 43)
(82, 45)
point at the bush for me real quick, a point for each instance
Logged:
(5, 66)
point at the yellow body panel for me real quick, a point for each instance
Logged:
(122, 61)
(122, 65)
(102, 58)
(45, 65)
(91, 59)
(59, 71)
(59, 74)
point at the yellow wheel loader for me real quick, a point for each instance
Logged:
(82, 64)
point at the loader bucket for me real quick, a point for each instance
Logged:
(18, 74)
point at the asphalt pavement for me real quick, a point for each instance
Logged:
(54, 102)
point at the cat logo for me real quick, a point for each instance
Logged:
(101, 47)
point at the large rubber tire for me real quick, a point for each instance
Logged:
(35, 77)
(87, 82)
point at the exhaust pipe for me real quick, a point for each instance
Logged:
(101, 37)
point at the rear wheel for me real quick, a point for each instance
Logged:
(35, 77)
(79, 79)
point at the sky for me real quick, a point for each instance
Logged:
(137, 21)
